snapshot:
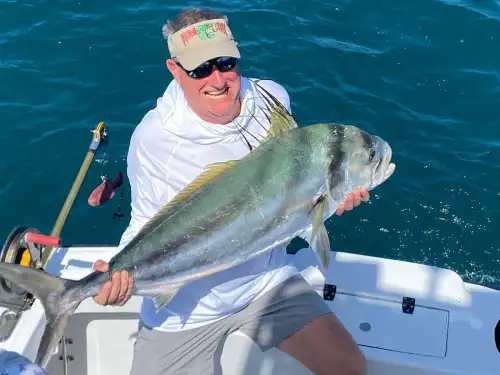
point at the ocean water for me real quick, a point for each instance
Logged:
(424, 75)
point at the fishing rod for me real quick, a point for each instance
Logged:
(99, 135)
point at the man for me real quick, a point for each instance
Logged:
(210, 113)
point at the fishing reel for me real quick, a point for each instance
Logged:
(23, 246)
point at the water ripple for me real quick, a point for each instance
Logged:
(345, 45)
(491, 12)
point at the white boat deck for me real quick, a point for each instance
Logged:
(450, 331)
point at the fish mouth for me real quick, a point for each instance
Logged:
(389, 171)
(390, 167)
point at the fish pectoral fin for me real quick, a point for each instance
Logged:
(319, 237)
(321, 245)
(160, 300)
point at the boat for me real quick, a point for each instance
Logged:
(407, 318)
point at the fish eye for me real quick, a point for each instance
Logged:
(371, 155)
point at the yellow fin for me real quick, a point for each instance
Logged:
(318, 212)
(211, 172)
(161, 299)
(279, 118)
(319, 237)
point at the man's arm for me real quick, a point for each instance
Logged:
(144, 204)
(144, 200)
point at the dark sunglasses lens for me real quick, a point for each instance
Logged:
(201, 71)
(223, 64)
(226, 63)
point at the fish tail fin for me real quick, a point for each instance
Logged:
(52, 293)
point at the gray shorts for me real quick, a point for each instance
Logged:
(268, 321)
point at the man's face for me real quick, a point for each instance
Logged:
(214, 98)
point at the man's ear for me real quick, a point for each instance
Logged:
(173, 68)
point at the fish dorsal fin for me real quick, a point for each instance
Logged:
(279, 118)
(211, 172)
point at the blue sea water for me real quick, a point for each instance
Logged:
(424, 75)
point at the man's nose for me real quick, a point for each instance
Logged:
(217, 78)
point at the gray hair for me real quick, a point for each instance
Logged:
(188, 17)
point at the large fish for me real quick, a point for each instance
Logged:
(232, 212)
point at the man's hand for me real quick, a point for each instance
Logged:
(115, 292)
(353, 200)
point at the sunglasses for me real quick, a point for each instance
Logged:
(223, 64)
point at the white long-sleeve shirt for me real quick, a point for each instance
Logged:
(168, 149)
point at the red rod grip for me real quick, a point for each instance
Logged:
(42, 239)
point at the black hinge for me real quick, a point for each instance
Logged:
(408, 305)
(329, 292)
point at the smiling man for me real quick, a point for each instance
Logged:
(195, 51)
(211, 113)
